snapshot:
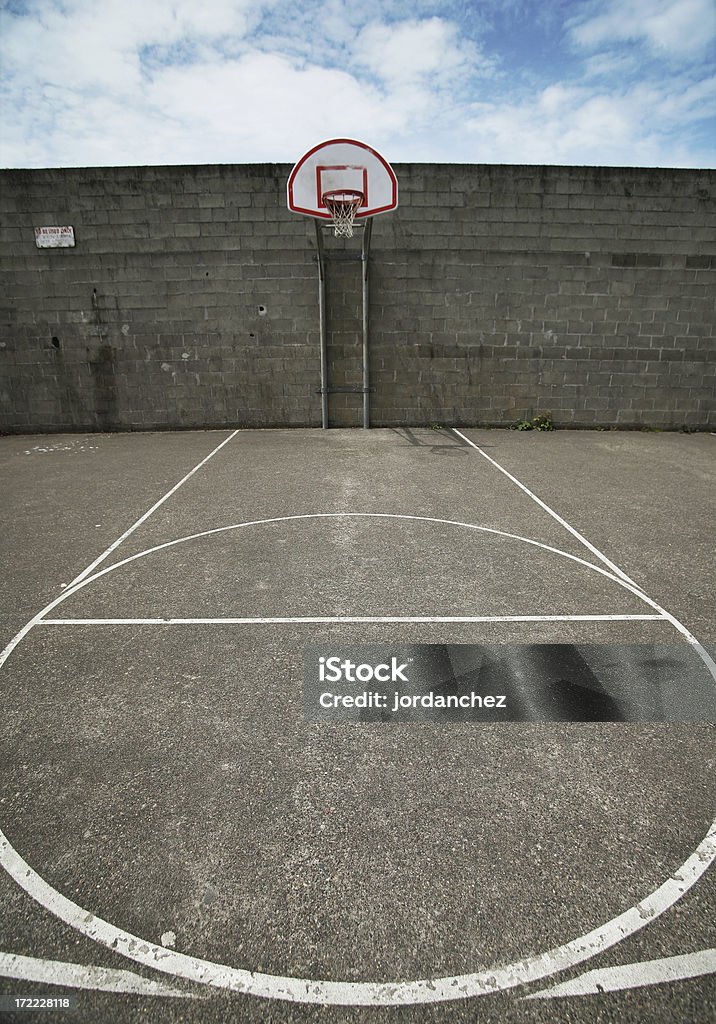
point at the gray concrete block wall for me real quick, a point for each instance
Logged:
(586, 292)
(497, 293)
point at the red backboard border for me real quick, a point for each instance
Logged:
(368, 211)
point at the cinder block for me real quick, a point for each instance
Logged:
(525, 285)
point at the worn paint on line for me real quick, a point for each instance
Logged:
(626, 976)
(333, 993)
(101, 979)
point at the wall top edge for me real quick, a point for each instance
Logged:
(270, 169)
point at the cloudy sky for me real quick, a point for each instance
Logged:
(103, 82)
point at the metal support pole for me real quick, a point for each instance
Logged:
(322, 323)
(365, 253)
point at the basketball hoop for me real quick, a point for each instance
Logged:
(343, 205)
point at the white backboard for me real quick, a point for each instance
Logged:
(342, 164)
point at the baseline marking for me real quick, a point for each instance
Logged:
(102, 979)
(649, 972)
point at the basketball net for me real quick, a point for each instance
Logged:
(343, 205)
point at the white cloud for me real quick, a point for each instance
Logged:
(619, 66)
(634, 125)
(263, 103)
(411, 50)
(113, 81)
(99, 45)
(175, 81)
(675, 28)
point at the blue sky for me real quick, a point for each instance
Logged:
(605, 82)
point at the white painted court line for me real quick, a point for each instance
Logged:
(649, 972)
(84, 576)
(369, 993)
(75, 587)
(102, 979)
(363, 993)
(636, 589)
(80, 584)
(429, 990)
(248, 620)
(550, 511)
(149, 512)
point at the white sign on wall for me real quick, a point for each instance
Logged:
(54, 238)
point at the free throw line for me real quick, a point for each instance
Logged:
(259, 620)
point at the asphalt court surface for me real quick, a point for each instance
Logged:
(162, 776)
